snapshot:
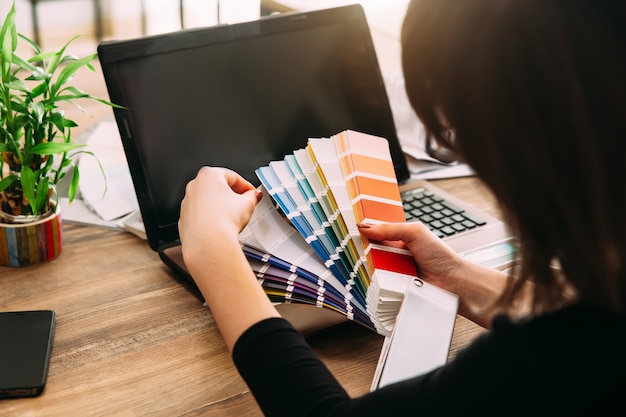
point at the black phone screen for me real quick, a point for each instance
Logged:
(25, 344)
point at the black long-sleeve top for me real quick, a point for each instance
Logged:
(570, 362)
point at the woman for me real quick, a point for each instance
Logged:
(531, 94)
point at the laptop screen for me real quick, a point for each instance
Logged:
(240, 96)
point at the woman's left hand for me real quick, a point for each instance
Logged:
(217, 205)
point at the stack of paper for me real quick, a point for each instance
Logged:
(307, 247)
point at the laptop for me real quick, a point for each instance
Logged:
(240, 96)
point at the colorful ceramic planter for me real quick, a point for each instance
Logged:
(31, 243)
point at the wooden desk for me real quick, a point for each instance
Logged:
(132, 339)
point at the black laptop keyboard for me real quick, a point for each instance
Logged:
(439, 215)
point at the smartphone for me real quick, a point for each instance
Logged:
(25, 345)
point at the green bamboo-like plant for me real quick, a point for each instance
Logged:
(35, 137)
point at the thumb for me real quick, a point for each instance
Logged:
(388, 231)
(256, 195)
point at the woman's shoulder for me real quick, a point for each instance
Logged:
(565, 325)
(573, 320)
(559, 353)
(579, 337)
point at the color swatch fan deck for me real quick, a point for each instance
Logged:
(318, 255)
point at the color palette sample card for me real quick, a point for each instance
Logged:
(303, 242)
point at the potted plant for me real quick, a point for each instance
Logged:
(36, 145)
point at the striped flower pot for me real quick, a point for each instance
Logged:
(24, 244)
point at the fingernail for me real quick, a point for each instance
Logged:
(363, 225)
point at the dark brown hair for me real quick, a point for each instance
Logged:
(535, 92)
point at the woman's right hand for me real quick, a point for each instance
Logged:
(436, 262)
(477, 286)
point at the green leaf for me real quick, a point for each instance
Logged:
(39, 90)
(41, 196)
(8, 43)
(69, 123)
(76, 91)
(81, 94)
(39, 74)
(30, 42)
(8, 180)
(51, 148)
(58, 120)
(27, 178)
(19, 107)
(65, 163)
(18, 85)
(69, 70)
(22, 63)
(73, 189)
(66, 97)
(39, 112)
(104, 175)
(48, 166)
(42, 56)
(58, 57)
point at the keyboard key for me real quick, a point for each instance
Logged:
(436, 224)
(469, 224)
(479, 222)
(452, 207)
(459, 227)
(442, 217)
(448, 231)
